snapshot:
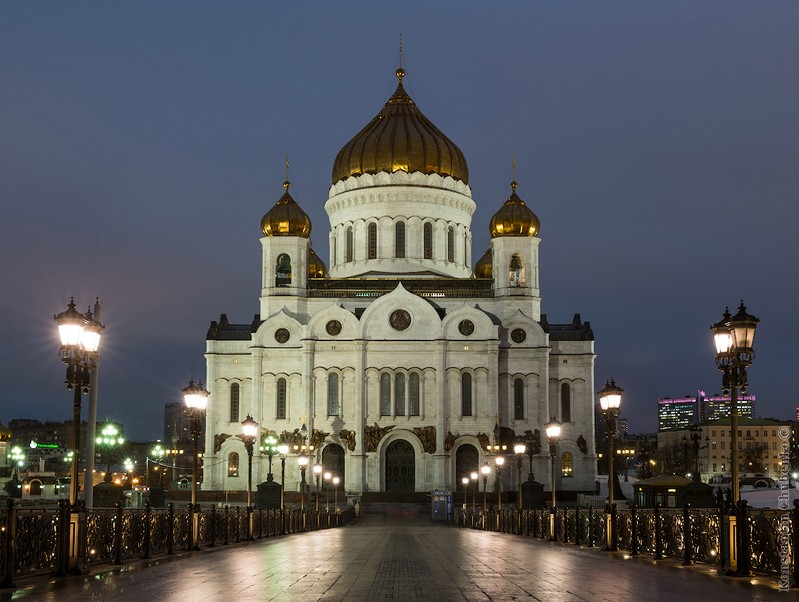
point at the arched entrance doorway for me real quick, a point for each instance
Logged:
(333, 460)
(466, 462)
(400, 466)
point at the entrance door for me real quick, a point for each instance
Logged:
(466, 461)
(400, 466)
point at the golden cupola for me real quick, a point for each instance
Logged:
(286, 218)
(400, 138)
(514, 218)
(484, 266)
(316, 267)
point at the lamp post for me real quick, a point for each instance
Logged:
(465, 483)
(519, 449)
(158, 454)
(485, 470)
(626, 453)
(317, 473)
(249, 430)
(609, 402)
(328, 475)
(108, 439)
(553, 434)
(80, 341)
(473, 476)
(336, 481)
(283, 450)
(500, 462)
(196, 398)
(695, 437)
(303, 462)
(734, 337)
(269, 447)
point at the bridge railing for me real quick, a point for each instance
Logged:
(739, 540)
(36, 541)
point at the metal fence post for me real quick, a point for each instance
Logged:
(634, 529)
(687, 544)
(212, 526)
(62, 537)
(147, 525)
(227, 525)
(118, 535)
(170, 537)
(590, 526)
(11, 545)
(658, 533)
(744, 541)
(577, 525)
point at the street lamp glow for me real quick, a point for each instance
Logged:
(610, 396)
(485, 469)
(500, 460)
(195, 395)
(519, 449)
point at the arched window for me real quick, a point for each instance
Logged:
(450, 244)
(566, 467)
(385, 395)
(466, 258)
(35, 488)
(334, 254)
(333, 406)
(349, 244)
(283, 270)
(516, 271)
(428, 240)
(233, 464)
(280, 409)
(234, 402)
(466, 394)
(371, 250)
(565, 403)
(518, 399)
(399, 395)
(399, 239)
(413, 395)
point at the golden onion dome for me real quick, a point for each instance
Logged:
(316, 267)
(514, 218)
(484, 266)
(400, 138)
(286, 218)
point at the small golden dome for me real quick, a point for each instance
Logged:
(514, 218)
(484, 266)
(400, 138)
(286, 218)
(316, 267)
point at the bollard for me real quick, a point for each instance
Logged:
(170, 538)
(11, 545)
(687, 544)
(634, 528)
(658, 533)
(147, 525)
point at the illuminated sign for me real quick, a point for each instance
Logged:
(35, 444)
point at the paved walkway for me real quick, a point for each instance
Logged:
(384, 558)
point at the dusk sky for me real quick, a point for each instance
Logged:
(142, 142)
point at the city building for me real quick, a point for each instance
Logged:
(177, 432)
(677, 413)
(401, 359)
(50, 438)
(759, 448)
(681, 411)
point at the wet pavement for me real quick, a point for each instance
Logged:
(400, 558)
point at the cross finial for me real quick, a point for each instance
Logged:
(400, 50)
(287, 184)
(513, 183)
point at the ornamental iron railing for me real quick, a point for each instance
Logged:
(37, 541)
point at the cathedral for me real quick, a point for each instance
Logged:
(400, 365)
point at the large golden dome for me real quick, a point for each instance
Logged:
(484, 266)
(316, 267)
(286, 218)
(514, 218)
(400, 138)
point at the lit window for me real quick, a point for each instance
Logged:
(566, 468)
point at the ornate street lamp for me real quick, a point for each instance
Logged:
(303, 462)
(249, 430)
(158, 454)
(734, 337)
(196, 398)
(283, 450)
(80, 341)
(473, 476)
(108, 439)
(328, 475)
(519, 449)
(500, 462)
(485, 470)
(269, 447)
(609, 402)
(317, 473)
(553, 434)
(465, 483)
(336, 481)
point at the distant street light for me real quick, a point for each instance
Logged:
(500, 462)
(269, 447)
(519, 449)
(317, 473)
(80, 341)
(109, 439)
(485, 470)
(249, 430)
(283, 450)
